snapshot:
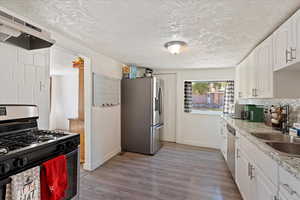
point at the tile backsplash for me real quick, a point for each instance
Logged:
(294, 105)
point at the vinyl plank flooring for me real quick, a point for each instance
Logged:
(176, 172)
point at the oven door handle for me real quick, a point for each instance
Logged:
(68, 155)
(5, 181)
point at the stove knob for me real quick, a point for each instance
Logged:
(70, 144)
(21, 162)
(4, 168)
(61, 147)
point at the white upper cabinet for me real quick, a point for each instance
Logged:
(295, 51)
(283, 40)
(272, 69)
(264, 70)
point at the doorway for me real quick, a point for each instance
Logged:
(67, 93)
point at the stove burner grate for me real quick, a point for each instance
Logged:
(23, 139)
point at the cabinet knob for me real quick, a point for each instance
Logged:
(250, 171)
(290, 190)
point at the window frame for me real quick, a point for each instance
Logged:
(207, 112)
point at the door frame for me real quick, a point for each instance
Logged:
(176, 101)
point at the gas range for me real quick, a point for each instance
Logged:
(26, 139)
(24, 146)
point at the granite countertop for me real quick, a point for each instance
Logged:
(291, 164)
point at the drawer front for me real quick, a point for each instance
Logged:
(289, 186)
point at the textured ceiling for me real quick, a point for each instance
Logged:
(219, 33)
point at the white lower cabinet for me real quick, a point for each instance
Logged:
(251, 179)
(264, 189)
(242, 175)
(259, 177)
(289, 186)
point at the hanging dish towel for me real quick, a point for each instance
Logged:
(25, 185)
(54, 179)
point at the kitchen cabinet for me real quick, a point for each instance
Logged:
(295, 51)
(245, 74)
(264, 189)
(289, 186)
(260, 177)
(257, 79)
(268, 71)
(283, 40)
(253, 180)
(242, 175)
(263, 70)
(287, 43)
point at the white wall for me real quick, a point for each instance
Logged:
(102, 125)
(95, 136)
(106, 121)
(197, 129)
(64, 100)
(65, 88)
(24, 79)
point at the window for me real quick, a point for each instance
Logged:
(208, 97)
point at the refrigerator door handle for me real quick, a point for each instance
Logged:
(160, 100)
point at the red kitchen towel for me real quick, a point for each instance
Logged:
(54, 179)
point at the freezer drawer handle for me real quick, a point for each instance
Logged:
(159, 127)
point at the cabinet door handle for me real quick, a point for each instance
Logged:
(252, 172)
(253, 92)
(293, 50)
(290, 190)
(249, 166)
(287, 53)
(238, 153)
(41, 86)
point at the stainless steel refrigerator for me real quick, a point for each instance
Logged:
(142, 115)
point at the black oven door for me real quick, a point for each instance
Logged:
(3, 184)
(73, 168)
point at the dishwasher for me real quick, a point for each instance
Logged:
(231, 133)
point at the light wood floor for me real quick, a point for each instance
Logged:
(176, 172)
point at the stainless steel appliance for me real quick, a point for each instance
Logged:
(24, 146)
(238, 111)
(142, 110)
(231, 149)
(22, 34)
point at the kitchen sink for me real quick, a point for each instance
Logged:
(271, 136)
(293, 149)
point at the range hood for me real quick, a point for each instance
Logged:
(22, 34)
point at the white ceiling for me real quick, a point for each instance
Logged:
(219, 33)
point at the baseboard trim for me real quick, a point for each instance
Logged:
(111, 154)
(198, 144)
(107, 157)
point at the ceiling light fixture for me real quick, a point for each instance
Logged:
(175, 47)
